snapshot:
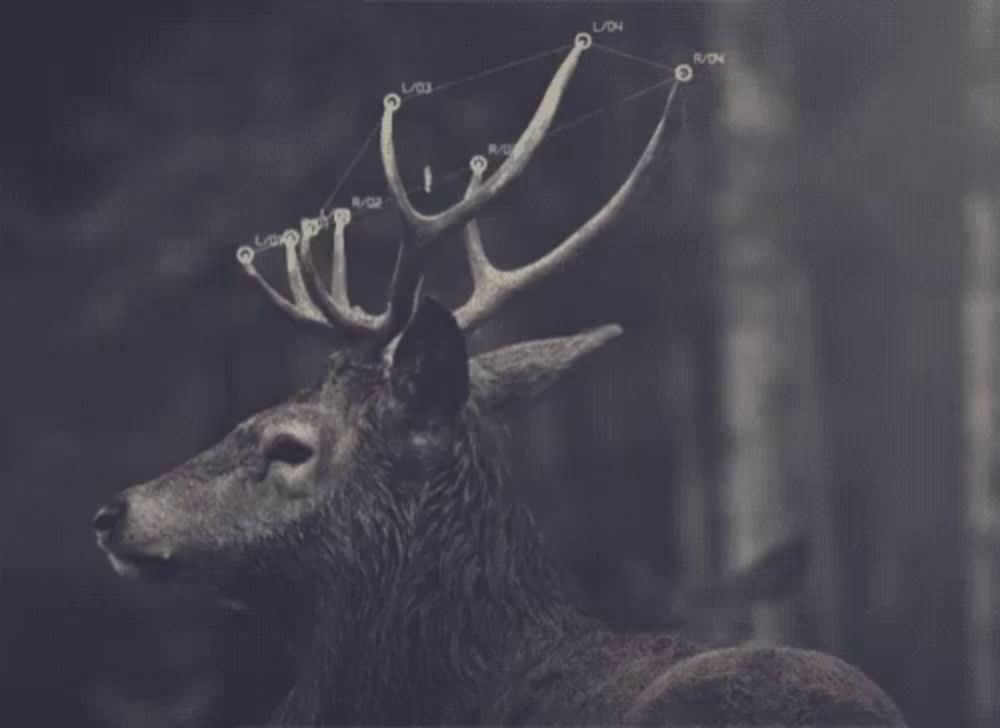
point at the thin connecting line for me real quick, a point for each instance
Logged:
(623, 54)
(555, 131)
(496, 69)
(350, 167)
(604, 109)
(437, 89)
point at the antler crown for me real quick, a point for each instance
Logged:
(328, 304)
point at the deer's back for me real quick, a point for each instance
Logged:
(614, 679)
(589, 677)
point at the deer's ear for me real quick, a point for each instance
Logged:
(523, 372)
(429, 369)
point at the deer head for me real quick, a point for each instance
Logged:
(354, 465)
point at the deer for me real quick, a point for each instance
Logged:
(367, 517)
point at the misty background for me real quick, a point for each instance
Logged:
(808, 286)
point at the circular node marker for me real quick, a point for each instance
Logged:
(244, 254)
(583, 40)
(310, 227)
(392, 101)
(478, 164)
(290, 237)
(342, 216)
(684, 73)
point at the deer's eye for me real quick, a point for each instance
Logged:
(287, 449)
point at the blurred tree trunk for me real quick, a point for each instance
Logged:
(767, 362)
(882, 182)
(696, 501)
(982, 374)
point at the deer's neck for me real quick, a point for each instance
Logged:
(417, 643)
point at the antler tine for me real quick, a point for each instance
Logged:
(311, 302)
(483, 272)
(429, 228)
(338, 272)
(335, 305)
(301, 307)
(492, 287)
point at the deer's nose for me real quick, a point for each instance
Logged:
(108, 517)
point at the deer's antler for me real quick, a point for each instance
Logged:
(492, 287)
(313, 301)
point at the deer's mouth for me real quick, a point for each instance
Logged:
(148, 567)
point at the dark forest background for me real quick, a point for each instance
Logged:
(808, 287)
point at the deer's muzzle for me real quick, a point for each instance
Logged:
(108, 526)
